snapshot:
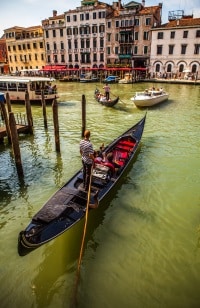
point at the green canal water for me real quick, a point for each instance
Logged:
(143, 244)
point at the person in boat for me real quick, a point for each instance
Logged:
(87, 154)
(107, 91)
(103, 98)
(109, 162)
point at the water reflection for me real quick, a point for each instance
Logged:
(149, 223)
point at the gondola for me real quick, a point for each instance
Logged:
(68, 205)
(107, 103)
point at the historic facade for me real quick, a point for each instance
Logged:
(175, 49)
(97, 35)
(25, 48)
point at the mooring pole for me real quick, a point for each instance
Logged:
(83, 114)
(15, 144)
(56, 124)
(44, 110)
(29, 112)
(5, 117)
(8, 103)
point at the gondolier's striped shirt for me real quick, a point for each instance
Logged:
(86, 149)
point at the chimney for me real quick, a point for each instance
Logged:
(143, 3)
(54, 13)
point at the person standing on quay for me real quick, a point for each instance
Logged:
(107, 91)
(87, 153)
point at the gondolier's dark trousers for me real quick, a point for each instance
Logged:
(86, 175)
(107, 95)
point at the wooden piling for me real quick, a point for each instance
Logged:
(5, 117)
(83, 114)
(44, 110)
(29, 112)
(56, 124)
(15, 144)
(8, 103)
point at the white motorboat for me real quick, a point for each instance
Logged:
(150, 97)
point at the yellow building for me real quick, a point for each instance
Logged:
(25, 48)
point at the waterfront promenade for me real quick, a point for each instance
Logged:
(172, 81)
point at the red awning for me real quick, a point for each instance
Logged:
(54, 68)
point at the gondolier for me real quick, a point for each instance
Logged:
(107, 91)
(87, 153)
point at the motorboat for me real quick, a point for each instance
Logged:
(150, 97)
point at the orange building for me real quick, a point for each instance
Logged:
(4, 67)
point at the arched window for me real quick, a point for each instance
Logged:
(157, 67)
(181, 67)
(169, 68)
(194, 68)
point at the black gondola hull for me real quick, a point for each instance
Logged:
(68, 205)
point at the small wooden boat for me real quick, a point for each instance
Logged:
(68, 205)
(102, 100)
(150, 97)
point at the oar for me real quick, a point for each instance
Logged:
(83, 241)
(117, 96)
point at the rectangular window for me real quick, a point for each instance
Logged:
(70, 58)
(135, 50)
(76, 57)
(108, 50)
(47, 33)
(87, 16)
(148, 21)
(117, 24)
(95, 57)
(35, 45)
(62, 45)
(19, 47)
(101, 57)
(196, 49)
(159, 49)
(116, 50)
(171, 49)
(160, 36)
(63, 58)
(54, 33)
(198, 33)
(108, 37)
(145, 35)
(94, 15)
(137, 22)
(145, 50)
(82, 17)
(185, 34)
(109, 24)
(41, 44)
(136, 36)
(68, 18)
(74, 18)
(183, 49)
(61, 32)
(172, 34)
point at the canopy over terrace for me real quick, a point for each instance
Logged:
(53, 68)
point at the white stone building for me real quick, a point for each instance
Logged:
(175, 49)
